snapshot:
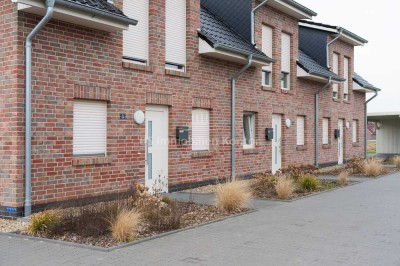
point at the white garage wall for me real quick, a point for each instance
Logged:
(388, 136)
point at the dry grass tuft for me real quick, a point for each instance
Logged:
(125, 224)
(233, 196)
(344, 177)
(396, 161)
(284, 187)
(372, 167)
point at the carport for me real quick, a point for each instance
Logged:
(387, 132)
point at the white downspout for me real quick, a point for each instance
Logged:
(253, 18)
(28, 105)
(328, 64)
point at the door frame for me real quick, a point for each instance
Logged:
(165, 110)
(278, 149)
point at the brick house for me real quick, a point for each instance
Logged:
(110, 97)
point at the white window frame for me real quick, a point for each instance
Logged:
(267, 44)
(286, 60)
(175, 35)
(200, 129)
(335, 69)
(89, 131)
(355, 131)
(300, 132)
(251, 119)
(136, 38)
(325, 131)
(346, 69)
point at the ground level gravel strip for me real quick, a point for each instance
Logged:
(7, 226)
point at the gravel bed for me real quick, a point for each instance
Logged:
(7, 226)
(213, 188)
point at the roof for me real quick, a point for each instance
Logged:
(102, 6)
(313, 68)
(383, 115)
(300, 7)
(218, 35)
(334, 29)
(363, 83)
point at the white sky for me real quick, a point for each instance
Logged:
(379, 60)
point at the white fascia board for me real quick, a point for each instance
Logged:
(287, 9)
(317, 27)
(350, 40)
(71, 16)
(206, 49)
(357, 87)
(301, 73)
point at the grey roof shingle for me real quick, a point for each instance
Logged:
(219, 35)
(313, 68)
(102, 6)
(363, 83)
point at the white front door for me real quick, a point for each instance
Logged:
(157, 149)
(276, 143)
(340, 141)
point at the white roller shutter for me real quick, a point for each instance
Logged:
(354, 131)
(285, 53)
(300, 130)
(335, 69)
(267, 44)
(136, 39)
(89, 127)
(346, 76)
(325, 131)
(200, 130)
(175, 32)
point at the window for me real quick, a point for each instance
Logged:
(355, 125)
(249, 128)
(89, 127)
(346, 77)
(135, 39)
(267, 49)
(300, 130)
(335, 69)
(285, 61)
(325, 131)
(175, 34)
(200, 130)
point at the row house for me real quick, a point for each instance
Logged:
(95, 95)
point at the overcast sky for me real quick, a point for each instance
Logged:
(379, 60)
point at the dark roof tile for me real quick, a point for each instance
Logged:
(362, 82)
(313, 68)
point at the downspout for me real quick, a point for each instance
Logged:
(327, 85)
(328, 64)
(253, 18)
(28, 104)
(233, 120)
(366, 123)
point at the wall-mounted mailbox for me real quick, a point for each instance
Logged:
(337, 133)
(269, 133)
(182, 134)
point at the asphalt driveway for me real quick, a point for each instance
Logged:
(356, 225)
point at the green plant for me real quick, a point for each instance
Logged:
(166, 200)
(125, 224)
(233, 196)
(309, 182)
(43, 221)
(344, 177)
(284, 187)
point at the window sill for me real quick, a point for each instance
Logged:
(202, 154)
(176, 73)
(251, 151)
(356, 144)
(336, 100)
(286, 91)
(302, 148)
(267, 88)
(346, 101)
(133, 66)
(326, 146)
(91, 160)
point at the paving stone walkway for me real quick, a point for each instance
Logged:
(356, 225)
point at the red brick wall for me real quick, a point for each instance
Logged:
(71, 61)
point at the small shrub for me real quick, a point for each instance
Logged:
(266, 181)
(372, 167)
(396, 161)
(356, 165)
(344, 177)
(166, 200)
(233, 196)
(284, 187)
(164, 217)
(43, 221)
(297, 171)
(124, 225)
(309, 182)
